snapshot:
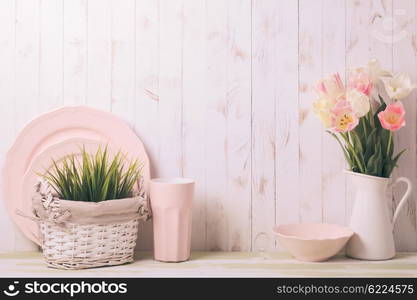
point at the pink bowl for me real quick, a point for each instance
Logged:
(313, 241)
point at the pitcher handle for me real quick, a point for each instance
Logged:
(403, 199)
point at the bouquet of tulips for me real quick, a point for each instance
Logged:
(363, 115)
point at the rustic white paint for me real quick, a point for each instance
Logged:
(333, 57)
(216, 137)
(194, 111)
(171, 16)
(147, 90)
(123, 18)
(75, 52)
(7, 108)
(404, 46)
(27, 53)
(238, 116)
(287, 153)
(218, 90)
(99, 59)
(50, 54)
(310, 131)
(264, 53)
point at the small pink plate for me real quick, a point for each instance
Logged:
(313, 241)
(56, 127)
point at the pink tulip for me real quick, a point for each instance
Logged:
(331, 87)
(392, 118)
(360, 81)
(343, 117)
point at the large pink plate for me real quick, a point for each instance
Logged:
(56, 127)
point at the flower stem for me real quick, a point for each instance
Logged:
(389, 144)
(371, 118)
(363, 121)
(347, 139)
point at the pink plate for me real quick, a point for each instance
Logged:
(53, 128)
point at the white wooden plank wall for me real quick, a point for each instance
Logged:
(27, 71)
(264, 52)
(217, 224)
(7, 107)
(219, 91)
(75, 51)
(404, 46)
(333, 58)
(287, 116)
(147, 90)
(194, 110)
(310, 178)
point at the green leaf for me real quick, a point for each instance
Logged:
(378, 160)
(356, 164)
(395, 159)
(344, 149)
(385, 139)
(357, 150)
(382, 100)
(380, 108)
(369, 149)
(375, 159)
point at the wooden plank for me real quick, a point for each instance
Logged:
(27, 61)
(216, 139)
(264, 59)
(404, 60)
(75, 52)
(219, 264)
(367, 32)
(123, 59)
(27, 78)
(147, 92)
(238, 114)
(194, 112)
(287, 157)
(228, 114)
(50, 55)
(310, 129)
(333, 163)
(147, 77)
(99, 54)
(171, 18)
(379, 32)
(7, 107)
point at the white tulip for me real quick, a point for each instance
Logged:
(375, 71)
(359, 102)
(399, 86)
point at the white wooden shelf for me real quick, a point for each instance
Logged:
(218, 264)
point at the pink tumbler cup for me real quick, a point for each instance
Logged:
(171, 202)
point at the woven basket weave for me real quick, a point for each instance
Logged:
(88, 246)
(78, 242)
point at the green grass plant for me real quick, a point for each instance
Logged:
(93, 177)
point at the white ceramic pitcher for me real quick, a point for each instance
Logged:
(370, 220)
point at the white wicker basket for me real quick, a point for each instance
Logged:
(86, 237)
(88, 246)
